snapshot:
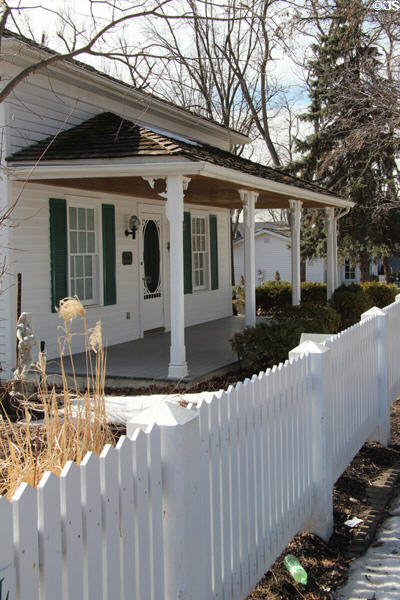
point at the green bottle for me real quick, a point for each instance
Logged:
(295, 569)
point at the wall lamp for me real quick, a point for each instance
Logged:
(133, 226)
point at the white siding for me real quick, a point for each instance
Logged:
(273, 254)
(7, 352)
(315, 270)
(31, 257)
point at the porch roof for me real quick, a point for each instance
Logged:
(110, 154)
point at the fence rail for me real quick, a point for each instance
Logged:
(198, 502)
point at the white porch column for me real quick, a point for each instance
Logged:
(176, 185)
(249, 200)
(295, 218)
(331, 249)
(335, 255)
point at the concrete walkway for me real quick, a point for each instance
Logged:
(376, 575)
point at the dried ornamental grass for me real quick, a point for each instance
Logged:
(72, 423)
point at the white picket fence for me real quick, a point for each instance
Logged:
(198, 502)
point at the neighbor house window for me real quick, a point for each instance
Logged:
(83, 258)
(199, 253)
(349, 270)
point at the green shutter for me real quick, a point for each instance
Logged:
(109, 278)
(214, 252)
(187, 253)
(58, 251)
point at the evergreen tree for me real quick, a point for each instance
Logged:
(353, 147)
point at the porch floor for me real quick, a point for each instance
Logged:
(208, 352)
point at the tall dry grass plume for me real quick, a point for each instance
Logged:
(73, 421)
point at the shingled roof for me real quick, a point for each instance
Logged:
(109, 136)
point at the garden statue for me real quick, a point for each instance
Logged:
(26, 341)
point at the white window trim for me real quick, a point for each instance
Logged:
(95, 203)
(207, 283)
(349, 270)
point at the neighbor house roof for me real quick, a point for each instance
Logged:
(276, 228)
(108, 136)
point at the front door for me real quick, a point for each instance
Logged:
(151, 272)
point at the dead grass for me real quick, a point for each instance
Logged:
(72, 422)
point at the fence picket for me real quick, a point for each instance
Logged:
(7, 564)
(110, 522)
(71, 531)
(258, 476)
(26, 542)
(127, 527)
(225, 495)
(251, 485)
(92, 535)
(157, 574)
(215, 497)
(142, 526)
(243, 483)
(234, 490)
(49, 528)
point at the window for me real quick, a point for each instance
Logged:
(83, 257)
(349, 270)
(199, 253)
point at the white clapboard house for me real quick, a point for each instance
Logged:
(272, 241)
(124, 200)
(272, 251)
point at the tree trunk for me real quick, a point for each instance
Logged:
(364, 265)
(386, 269)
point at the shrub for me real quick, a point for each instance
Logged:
(380, 294)
(313, 292)
(273, 296)
(350, 301)
(266, 344)
(311, 319)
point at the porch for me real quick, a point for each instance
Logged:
(145, 360)
(175, 246)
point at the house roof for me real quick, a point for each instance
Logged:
(108, 136)
(276, 228)
(10, 36)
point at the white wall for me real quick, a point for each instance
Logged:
(31, 257)
(315, 270)
(272, 254)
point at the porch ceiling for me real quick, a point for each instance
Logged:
(209, 185)
(203, 191)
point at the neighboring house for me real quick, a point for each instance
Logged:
(272, 255)
(124, 200)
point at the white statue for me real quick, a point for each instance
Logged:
(26, 341)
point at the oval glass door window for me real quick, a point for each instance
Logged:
(151, 260)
